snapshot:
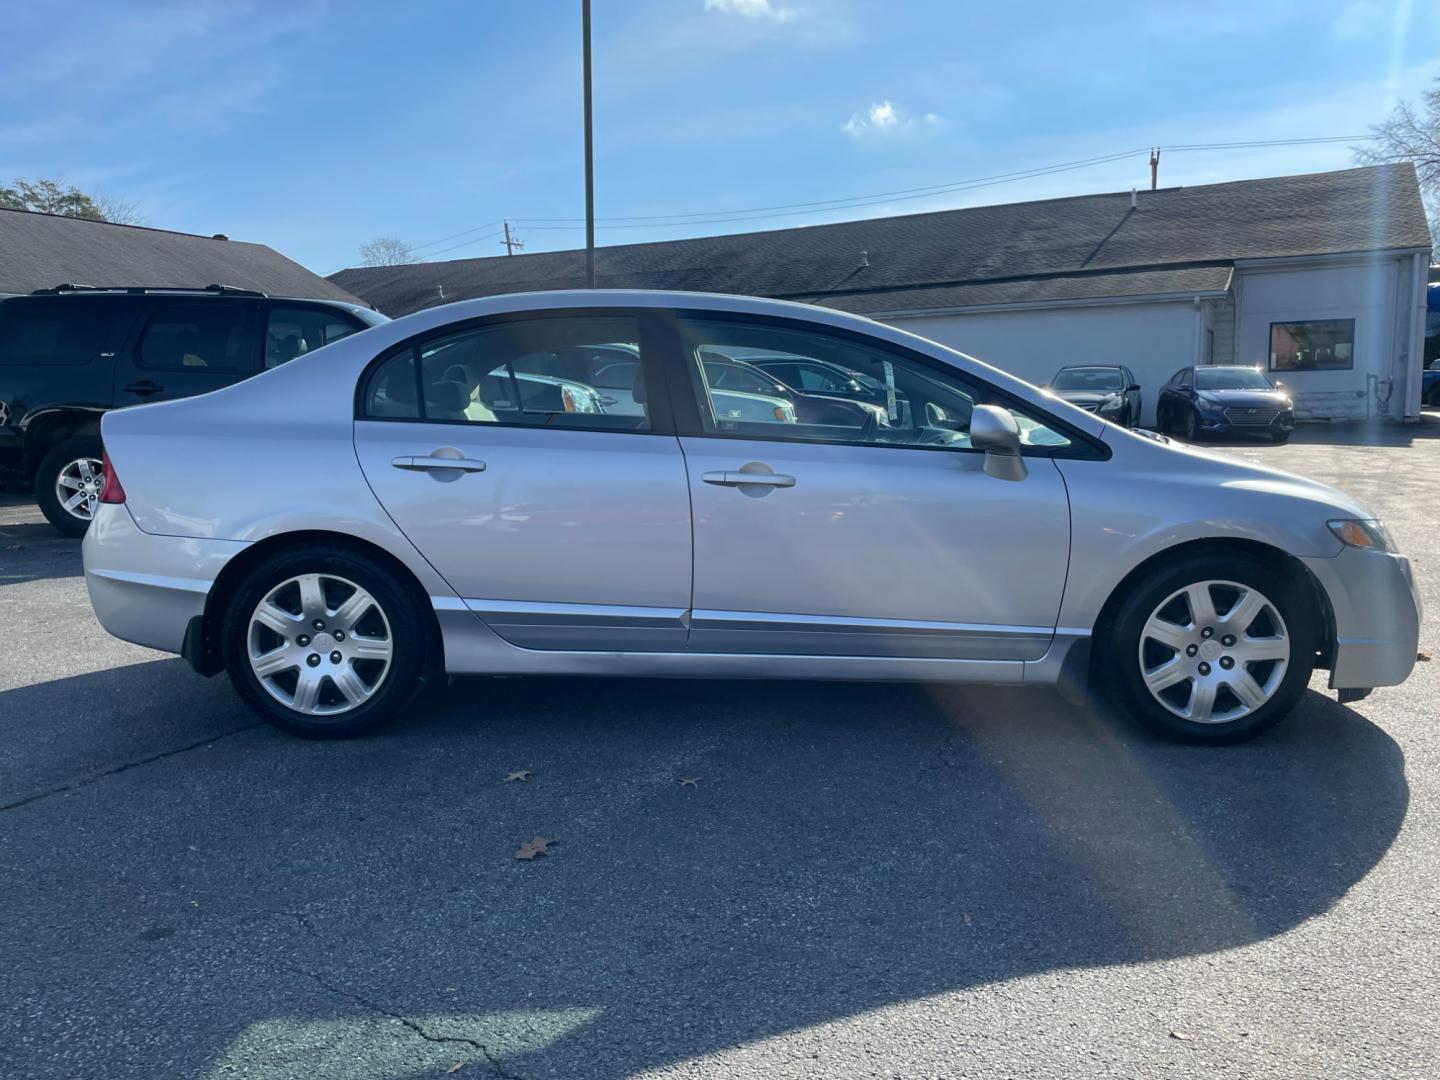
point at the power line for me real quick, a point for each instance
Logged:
(761, 213)
(452, 236)
(463, 243)
(840, 203)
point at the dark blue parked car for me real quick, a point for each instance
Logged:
(1224, 399)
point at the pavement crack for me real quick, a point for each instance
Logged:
(125, 767)
(413, 1025)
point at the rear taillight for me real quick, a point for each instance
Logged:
(110, 489)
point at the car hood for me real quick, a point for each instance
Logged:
(1247, 399)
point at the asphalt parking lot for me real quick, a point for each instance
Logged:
(857, 881)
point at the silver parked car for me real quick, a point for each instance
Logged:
(359, 529)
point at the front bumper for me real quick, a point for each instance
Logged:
(144, 588)
(1377, 611)
(1219, 422)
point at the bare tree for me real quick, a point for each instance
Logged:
(1412, 133)
(120, 211)
(387, 251)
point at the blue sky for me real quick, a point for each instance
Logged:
(315, 126)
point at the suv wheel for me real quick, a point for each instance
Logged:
(1210, 649)
(67, 483)
(324, 643)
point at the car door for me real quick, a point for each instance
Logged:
(1169, 402)
(561, 526)
(187, 346)
(868, 538)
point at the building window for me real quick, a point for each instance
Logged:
(1316, 345)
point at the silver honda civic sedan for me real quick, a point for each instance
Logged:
(551, 484)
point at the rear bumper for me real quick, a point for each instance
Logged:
(1377, 612)
(145, 589)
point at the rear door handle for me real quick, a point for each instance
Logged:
(744, 479)
(143, 387)
(425, 463)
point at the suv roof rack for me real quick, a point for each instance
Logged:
(137, 290)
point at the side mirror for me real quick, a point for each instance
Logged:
(1134, 386)
(994, 430)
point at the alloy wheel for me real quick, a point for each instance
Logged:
(78, 486)
(1214, 651)
(319, 644)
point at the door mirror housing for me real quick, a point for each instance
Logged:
(1135, 386)
(995, 431)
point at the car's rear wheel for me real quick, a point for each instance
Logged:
(1211, 648)
(68, 482)
(324, 643)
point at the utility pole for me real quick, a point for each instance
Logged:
(1154, 167)
(589, 152)
(510, 243)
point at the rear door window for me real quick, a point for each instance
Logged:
(61, 332)
(295, 331)
(197, 337)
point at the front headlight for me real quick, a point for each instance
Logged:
(1362, 533)
(1113, 402)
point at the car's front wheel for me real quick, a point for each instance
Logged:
(1192, 426)
(1211, 648)
(68, 483)
(324, 642)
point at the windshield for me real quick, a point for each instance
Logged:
(1098, 380)
(1231, 379)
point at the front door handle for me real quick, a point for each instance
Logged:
(144, 387)
(425, 463)
(745, 479)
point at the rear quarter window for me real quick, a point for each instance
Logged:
(65, 332)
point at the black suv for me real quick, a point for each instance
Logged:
(69, 354)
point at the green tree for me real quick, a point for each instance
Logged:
(46, 196)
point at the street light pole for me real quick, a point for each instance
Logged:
(589, 154)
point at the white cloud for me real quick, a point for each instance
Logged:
(751, 9)
(886, 118)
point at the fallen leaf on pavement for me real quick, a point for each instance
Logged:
(456, 1067)
(531, 848)
(523, 774)
(1180, 1035)
(690, 781)
(1423, 656)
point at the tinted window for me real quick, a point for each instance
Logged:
(206, 336)
(56, 332)
(523, 372)
(295, 331)
(923, 406)
(1094, 379)
(1231, 379)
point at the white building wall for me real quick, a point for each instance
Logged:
(1153, 340)
(1367, 292)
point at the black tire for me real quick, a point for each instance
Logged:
(1118, 669)
(410, 636)
(55, 461)
(1280, 437)
(1192, 426)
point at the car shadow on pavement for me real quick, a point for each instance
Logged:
(731, 861)
(31, 551)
